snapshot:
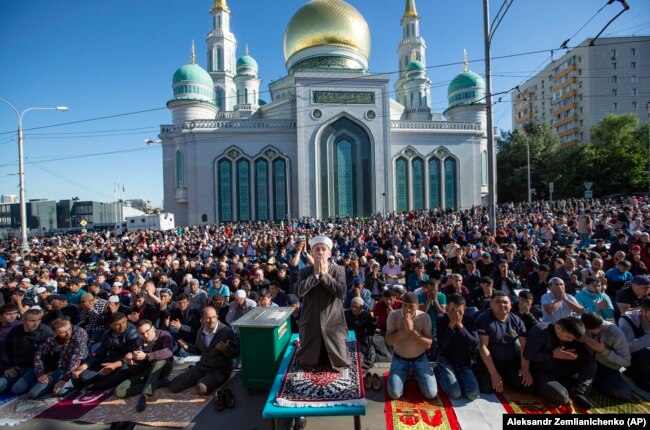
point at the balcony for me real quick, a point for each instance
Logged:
(181, 195)
(212, 124)
(435, 125)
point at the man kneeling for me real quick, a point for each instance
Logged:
(217, 344)
(149, 364)
(408, 331)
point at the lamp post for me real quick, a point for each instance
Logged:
(24, 244)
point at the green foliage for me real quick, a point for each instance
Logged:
(616, 161)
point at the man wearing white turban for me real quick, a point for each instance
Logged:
(323, 331)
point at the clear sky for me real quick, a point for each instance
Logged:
(111, 62)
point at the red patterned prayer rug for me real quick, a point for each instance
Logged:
(414, 412)
(521, 403)
(322, 386)
(75, 405)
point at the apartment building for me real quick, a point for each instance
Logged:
(575, 91)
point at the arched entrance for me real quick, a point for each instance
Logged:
(344, 170)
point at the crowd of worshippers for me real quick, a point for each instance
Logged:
(555, 302)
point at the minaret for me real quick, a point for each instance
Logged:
(222, 45)
(411, 47)
(411, 39)
(248, 86)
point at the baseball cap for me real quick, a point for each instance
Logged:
(641, 280)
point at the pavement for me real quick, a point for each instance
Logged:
(246, 415)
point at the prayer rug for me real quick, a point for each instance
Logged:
(21, 409)
(169, 409)
(609, 405)
(5, 398)
(321, 386)
(414, 412)
(75, 405)
(522, 403)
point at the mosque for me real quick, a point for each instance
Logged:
(331, 141)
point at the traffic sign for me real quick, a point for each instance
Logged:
(83, 222)
(551, 187)
(588, 194)
(588, 185)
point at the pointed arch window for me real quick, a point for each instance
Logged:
(224, 174)
(484, 168)
(219, 96)
(451, 186)
(243, 190)
(262, 189)
(180, 170)
(401, 184)
(245, 95)
(280, 204)
(219, 59)
(434, 183)
(344, 184)
(417, 172)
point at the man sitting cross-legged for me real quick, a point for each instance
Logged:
(149, 363)
(217, 344)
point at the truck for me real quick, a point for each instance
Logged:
(160, 221)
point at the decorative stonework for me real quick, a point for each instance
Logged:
(270, 153)
(233, 153)
(344, 97)
(370, 115)
(324, 62)
(409, 152)
(316, 114)
(442, 152)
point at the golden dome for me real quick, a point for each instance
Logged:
(327, 22)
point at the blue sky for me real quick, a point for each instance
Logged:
(111, 62)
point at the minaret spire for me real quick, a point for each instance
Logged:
(465, 62)
(409, 10)
(193, 55)
(219, 4)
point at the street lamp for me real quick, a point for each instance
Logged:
(24, 244)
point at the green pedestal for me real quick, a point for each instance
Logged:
(263, 336)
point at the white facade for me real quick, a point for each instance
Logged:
(330, 143)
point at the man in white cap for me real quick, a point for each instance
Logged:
(239, 307)
(323, 331)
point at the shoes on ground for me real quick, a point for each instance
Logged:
(179, 360)
(298, 423)
(228, 398)
(367, 381)
(376, 382)
(142, 403)
(219, 401)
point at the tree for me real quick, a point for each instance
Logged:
(618, 155)
(512, 166)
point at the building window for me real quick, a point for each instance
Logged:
(614, 92)
(614, 106)
(417, 167)
(634, 93)
(434, 183)
(243, 190)
(614, 79)
(633, 79)
(224, 168)
(401, 184)
(451, 198)
(262, 189)
(180, 171)
(219, 59)
(344, 182)
(204, 218)
(633, 64)
(633, 51)
(484, 168)
(613, 54)
(634, 105)
(219, 96)
(614, 66)
(280, 203)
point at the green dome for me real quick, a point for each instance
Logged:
(415, 65)
(466, 80)
(247, 61)
(193, 73)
